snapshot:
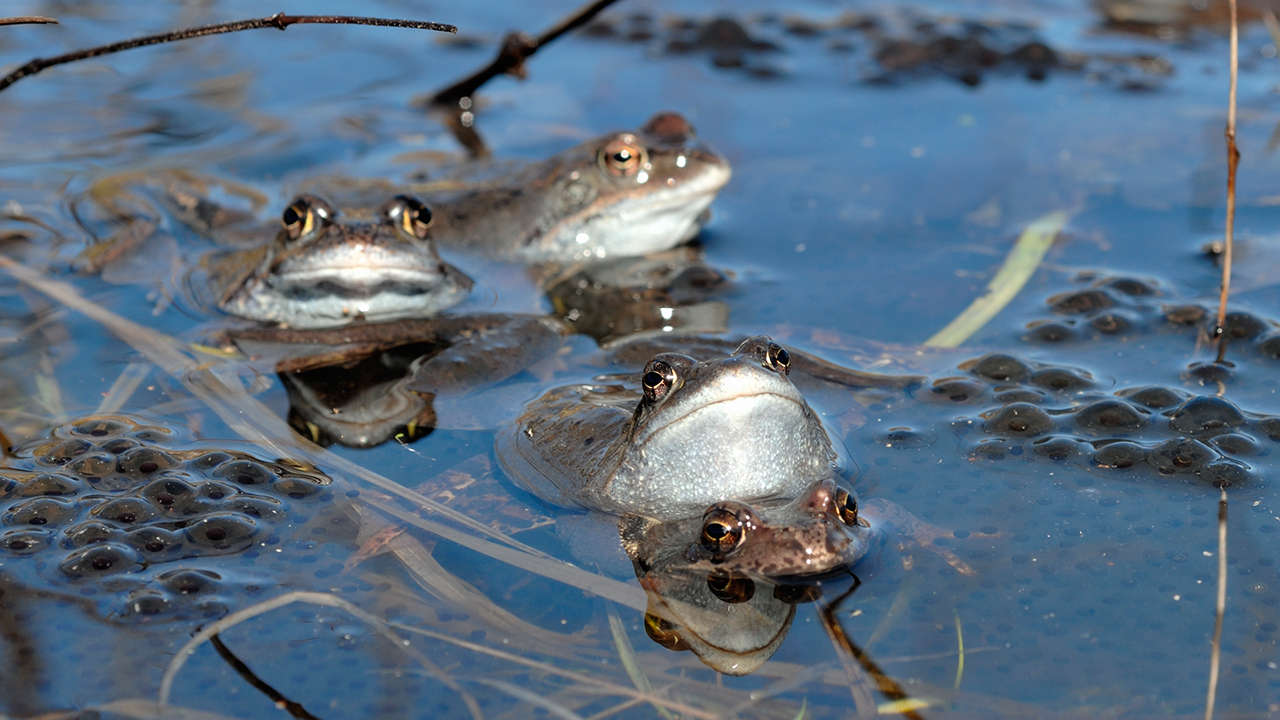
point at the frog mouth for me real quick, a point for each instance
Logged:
(744, 411)
(356, 282)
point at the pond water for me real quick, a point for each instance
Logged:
(885, 159)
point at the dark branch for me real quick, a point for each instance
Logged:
(516, 48)
(293, 708)
(280, 21)
(29, 20)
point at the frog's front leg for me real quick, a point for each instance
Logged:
(486, 355)
(907, 527)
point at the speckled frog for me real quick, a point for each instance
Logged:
(622, 194)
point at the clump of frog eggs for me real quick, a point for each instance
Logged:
(111, 505)
(1055, 414)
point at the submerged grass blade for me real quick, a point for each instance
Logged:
(1215, 655)
(959, 650)
(123, 388)
(532, 698)
(1018, 267)
(607, 588)
(630, 663)
(145, 709)
(547, 669)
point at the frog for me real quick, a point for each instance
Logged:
(622, 194)
(319, 272)
(817, 532)
(729, 428)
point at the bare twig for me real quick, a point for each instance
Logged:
(313, 598)
(29, 20)
(293, 708)
(1215, 655)
(1233, 162)
(516, 48)
(280, 21)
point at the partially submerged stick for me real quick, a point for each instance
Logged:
(1233, 162)
(279, 21)
(248, 675)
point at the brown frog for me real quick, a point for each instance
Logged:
(622, 194)
(319, 272)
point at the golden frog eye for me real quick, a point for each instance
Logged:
(663, 633)
(623, 155)
(731, 588)
(779, 359)
(847, 506)
(722, 532)
(305, 215)
(410, 214)
(658, 380)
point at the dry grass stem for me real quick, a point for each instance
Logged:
(1233, 163)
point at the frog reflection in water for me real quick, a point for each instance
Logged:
(319, 272)
(620, 195)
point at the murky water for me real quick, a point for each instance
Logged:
(876, 189)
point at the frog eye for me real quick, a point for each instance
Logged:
(731, 588)
(410, 214)
(663, 632)
(658, 380)
(305, 215)
(778, 358)
(624, 155)
(722, 532)
(847, 506)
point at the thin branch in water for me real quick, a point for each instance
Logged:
(313, 598)
(29, 20)
(279, 21)
(1215, 655)
(289, 706)
(1233, 163)
(516, 48)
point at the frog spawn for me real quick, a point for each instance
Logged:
(109, 505)
(1119, 305)
(1056, 414)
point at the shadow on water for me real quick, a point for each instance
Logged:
(884, 160)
